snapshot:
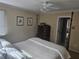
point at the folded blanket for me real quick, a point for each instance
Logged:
(2, 54)
(13, 53)
(9, 51)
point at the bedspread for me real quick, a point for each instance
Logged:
(41, 49)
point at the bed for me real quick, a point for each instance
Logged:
(41, 49)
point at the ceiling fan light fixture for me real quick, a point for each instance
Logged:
(48, 6)
(42, 10)
(53, 8)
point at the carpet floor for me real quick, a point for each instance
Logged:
(74, 55)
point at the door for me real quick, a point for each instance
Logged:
(74, 39)
(63, 31)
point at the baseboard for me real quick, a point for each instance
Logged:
(74, 50)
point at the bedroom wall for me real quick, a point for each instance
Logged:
(18, 33)
(51, 19)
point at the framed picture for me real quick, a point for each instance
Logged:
(20, 21)
(29, 21)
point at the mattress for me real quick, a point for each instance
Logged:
(41, 49)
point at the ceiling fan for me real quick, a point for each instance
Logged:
(48, 6)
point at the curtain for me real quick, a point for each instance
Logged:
(3, 23)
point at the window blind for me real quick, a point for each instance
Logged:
(3, 23)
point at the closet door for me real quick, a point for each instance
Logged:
(74, 38)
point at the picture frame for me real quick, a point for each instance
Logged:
(29, 21)
(20, 21)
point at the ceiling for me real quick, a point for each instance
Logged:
(35, 5)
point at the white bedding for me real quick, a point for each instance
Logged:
(8, 51)
(41, 49)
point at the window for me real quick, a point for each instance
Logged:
(3, 23)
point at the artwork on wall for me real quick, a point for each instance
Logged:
(20, 21)
(29, 21)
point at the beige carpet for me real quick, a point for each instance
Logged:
(74, 55)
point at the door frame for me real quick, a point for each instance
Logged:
(56, 38)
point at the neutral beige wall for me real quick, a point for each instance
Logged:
(51, 19)
(18, 33)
